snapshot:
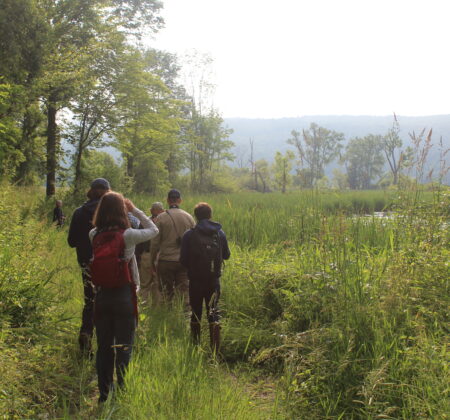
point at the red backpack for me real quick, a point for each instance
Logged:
(109, 269)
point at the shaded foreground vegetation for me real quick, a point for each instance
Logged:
(347, 313)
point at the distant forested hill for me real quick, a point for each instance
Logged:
(270, 135)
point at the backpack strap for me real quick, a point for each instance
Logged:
(219, 240)
(174, 225)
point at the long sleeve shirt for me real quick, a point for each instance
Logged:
(132, 237)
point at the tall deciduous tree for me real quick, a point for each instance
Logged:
(282, 169)
(262, 170)
(208, 147)
(73, 25)
(316, 148)
(205, 136)
(71, 28)
(9, 132)
(149, 122)
(23, 33)
(392, 144)
(364, 161)
(94, 105)
(397, 158)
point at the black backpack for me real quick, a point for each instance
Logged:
(206, 252)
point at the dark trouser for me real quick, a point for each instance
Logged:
(115, 323)
(173, 278)
(204, 290)
(87, 320)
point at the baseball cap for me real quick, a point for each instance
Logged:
(101, 184)
(174, 194)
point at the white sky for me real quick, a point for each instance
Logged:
(289, 58)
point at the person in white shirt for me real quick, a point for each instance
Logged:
(116, 307)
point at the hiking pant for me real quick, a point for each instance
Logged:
(173, 279)
(115, 323)
(204, 290)
(149, 288)
(87, 318)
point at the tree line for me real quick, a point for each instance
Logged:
(369, 162)
(76, 73)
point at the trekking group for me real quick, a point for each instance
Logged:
(128, 259)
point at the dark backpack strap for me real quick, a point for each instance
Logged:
(219, 240)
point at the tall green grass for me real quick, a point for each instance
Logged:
(41, 372)
(354, 318)
(346, 314)
(169, 378)
(253, 219)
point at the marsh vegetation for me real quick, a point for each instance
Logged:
(325, 315)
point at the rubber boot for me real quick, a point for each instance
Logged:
(195, 332)
(214, 336)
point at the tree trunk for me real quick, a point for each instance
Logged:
(52, 141)
(77, 180)
(130, 164)
(263, 182)
(395, 177)
(24, 171)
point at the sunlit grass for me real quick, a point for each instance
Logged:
(347, 314)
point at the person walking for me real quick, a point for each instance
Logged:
(203, 250)
(80, 226)
(116, 278)
(58, 215)
(149, 280)
(165, 249)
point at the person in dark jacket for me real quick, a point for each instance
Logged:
(203, 249)
(80, 226)
(58, 215)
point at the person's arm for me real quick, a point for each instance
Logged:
(184, 251)
(136, 236)
(92, 234)
(225, 249)
(155, 243)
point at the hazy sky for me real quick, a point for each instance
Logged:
(289, 58)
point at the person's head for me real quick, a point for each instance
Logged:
(111, 212)
(202, 211)
(99, 187)
(58, 203)
(173, 197)
(156, 209)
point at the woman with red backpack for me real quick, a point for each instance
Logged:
(116, 278)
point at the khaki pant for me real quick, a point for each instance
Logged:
(173, 280)
(150, 290)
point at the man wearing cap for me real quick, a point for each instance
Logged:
(149, 280)
(165, 248)
(78, 238)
